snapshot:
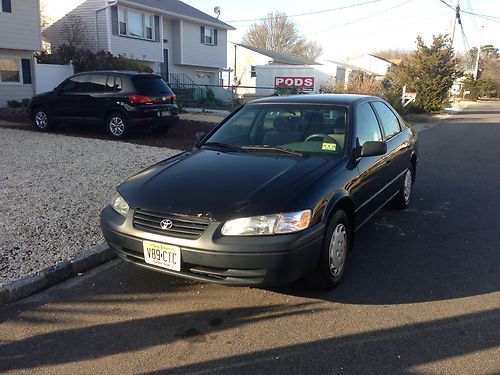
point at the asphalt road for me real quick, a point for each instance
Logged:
(421, 294)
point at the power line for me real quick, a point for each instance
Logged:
(310, 13)
(359, 19)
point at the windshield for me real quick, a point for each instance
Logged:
(309, 129)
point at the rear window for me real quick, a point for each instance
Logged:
(151, 85)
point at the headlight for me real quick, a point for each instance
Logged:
(268, 224)
(119, 205)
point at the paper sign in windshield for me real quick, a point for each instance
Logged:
(329, 146)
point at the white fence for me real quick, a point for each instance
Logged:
(48, 76)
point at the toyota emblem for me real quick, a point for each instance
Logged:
(166, 224)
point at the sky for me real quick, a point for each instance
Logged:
(366, 28)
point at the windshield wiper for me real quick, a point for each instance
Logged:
(222, 146)
(272, 149)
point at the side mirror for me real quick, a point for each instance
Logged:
(373, 148)
(199, 137)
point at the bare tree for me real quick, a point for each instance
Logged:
(76, 32)
(277, 33)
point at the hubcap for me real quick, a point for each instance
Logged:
(116, 126)
(407, 187)
(41, 120)
(338, 250)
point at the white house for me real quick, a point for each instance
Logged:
(19, 38)
(259, 71)
(178, 41)
(371, 64)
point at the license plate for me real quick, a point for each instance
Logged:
(165, 114)
(161, 255)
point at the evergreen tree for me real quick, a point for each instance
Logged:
(429, 71)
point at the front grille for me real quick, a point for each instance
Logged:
(183, 226)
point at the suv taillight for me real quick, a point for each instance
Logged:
(173, 99)
(140, 99)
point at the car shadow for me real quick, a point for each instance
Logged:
(445, 245)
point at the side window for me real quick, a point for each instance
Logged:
(118, 84)
(367, 128)
(389, 120)
(97, 83)
(75, 84)
(110, 84)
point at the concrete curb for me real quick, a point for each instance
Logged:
(53, 275)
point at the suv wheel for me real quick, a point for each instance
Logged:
(43, 119)
(117, 125)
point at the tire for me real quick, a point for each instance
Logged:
(336, 247)
(403, 198)
(117, 125)
(42, 119)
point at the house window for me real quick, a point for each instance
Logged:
(208, 35)
(10, 71)
(135, 24)
(122, 20)
(253, 72)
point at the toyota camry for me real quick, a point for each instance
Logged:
(275, 192)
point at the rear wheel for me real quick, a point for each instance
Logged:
(117, 125)
(43, 120)
(402, 199)
(336, 247)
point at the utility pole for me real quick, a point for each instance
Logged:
(476, 67)
(455, 20)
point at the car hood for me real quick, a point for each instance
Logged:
(219, 186)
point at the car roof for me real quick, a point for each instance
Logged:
(339, 99)
(120, 73)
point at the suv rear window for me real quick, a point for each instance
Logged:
(151, 86)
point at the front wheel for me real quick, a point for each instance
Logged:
(117, 125)
(42, 119)
(336, 247)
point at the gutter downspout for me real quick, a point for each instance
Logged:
(110, 4)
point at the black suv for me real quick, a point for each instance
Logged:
(121, 100)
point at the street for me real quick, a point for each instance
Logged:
(421, 293)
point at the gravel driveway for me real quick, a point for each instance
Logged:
(52, 188)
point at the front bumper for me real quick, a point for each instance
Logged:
(238, 261)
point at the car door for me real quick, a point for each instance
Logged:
(99, 97)
(368, 188)
(68, 103)
(398, 147)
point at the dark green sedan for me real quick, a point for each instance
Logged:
(272, 194)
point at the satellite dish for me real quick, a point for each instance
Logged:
(217, 11)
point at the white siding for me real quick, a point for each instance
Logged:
(136, 48)
(21, 28)
(199, 54)
(102, 30)
(15, 91)
(59, 12)
(177, 50)
(371, 63)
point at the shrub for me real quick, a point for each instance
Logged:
(18, 103)
(85, 60)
